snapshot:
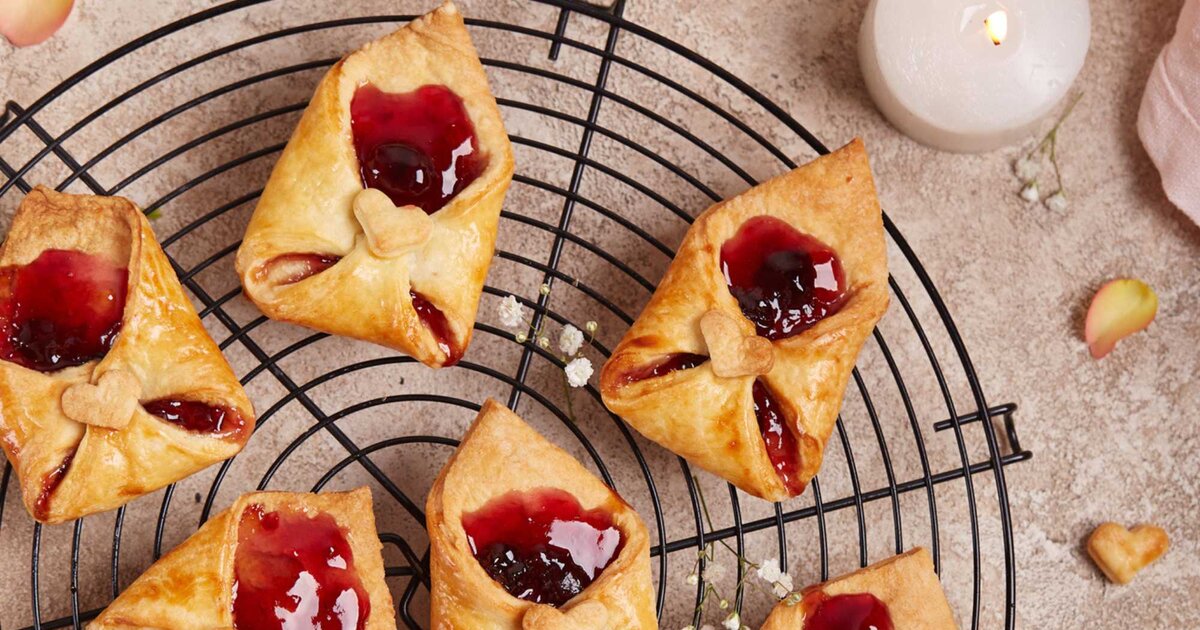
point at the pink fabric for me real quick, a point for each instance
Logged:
(1169, 120)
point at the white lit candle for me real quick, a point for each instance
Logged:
(971, 75)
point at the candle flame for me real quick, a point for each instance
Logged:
(997, 26)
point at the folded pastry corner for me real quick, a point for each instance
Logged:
(109, 384)
(272, 560)
(522, 536)
(740, 359)
(901, 592)
(379, 219)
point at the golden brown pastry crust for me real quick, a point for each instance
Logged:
(190, 588)
(161, 343)
(307, 205)
(1121, 553)
(907, 583)
(710, 420)
(499, 454)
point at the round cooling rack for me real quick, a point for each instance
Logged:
(621, 136)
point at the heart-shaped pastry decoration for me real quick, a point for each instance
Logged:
(1120, 553)
(583, 616)
(732, 353)
(109, 403)
(390, 231)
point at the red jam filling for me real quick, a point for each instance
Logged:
(41, 507)
(778, 439)
(542, 546)
(198, 417)
(859, 611)
(61, 310)
(785, 281)
(293, 572)
(435, 320)
(418, 147)
(672, 363)
(292, 268)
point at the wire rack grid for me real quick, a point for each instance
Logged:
(622, 137)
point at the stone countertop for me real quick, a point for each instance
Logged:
(1111, 439)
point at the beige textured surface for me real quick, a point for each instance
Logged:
(1112, 440)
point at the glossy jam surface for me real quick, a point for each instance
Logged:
(435, 320)
(41, 507)
(61, 310)
(418, 147)
(672, 363)
(858, 611)
(785, 281)
(292, 268)
(542, 546)
(292, 572)
(778, 438)
(198, 417)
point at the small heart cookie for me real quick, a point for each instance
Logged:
(1121, 553)
(109, 403)
(730, 352)
(586, 615)
(390, 231)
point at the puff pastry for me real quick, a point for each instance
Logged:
(96, 412)
(322, 547)
(903, 590)
(379, 220)
(699, 377)
(503, 465)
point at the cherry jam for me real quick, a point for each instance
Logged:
(778, 439)
(542, 546)
(41, 506)
(198, 417)
(435, 320)
(292, 572)
(292, 268)
(672, 363)
(859, 611)
(61, 310)
(418, 147)
(784, 281)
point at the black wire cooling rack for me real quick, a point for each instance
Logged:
(653, 134)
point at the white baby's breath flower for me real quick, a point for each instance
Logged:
(521, 337)
(579, 370)
(544, 289)
(591, 326)
(732, 622)
(1027, 169)
(543, 341)
(512, 314)
(783, 586)
(570, 340)
(692, 579)
(1057, 202)
(769, 570)
(1030, 192)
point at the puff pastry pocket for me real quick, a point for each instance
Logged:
(109, 385)
(902, 592)
(273, 560)
(740, 360)
(523, 537)
(379, 220)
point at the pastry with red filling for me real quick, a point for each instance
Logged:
(272, 561)
(109, 385)
(900, 593)
(523, 537)
(379, 219)
(739, 361)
